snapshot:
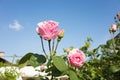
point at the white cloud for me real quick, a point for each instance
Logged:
(15, 25)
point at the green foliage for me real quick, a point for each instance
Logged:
(103, 63)
(60, 63)
(32, 59)
(72, 75)
(115, 68)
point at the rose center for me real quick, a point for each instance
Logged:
(77, 59)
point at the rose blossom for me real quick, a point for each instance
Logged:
(113, 27)
(48, 30)
(76, 58)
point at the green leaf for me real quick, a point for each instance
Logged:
(25, 58)
(72, 75)
(32, 59)
(40, 58)
(55, 71)
(114, 69)
(59, 63)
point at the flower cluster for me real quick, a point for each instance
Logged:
(116, 26)
(49, 30)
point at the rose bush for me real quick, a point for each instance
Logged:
(100, 63)
(56, 65)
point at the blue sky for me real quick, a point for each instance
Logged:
(79, 18)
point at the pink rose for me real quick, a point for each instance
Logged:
(76, 58)
(113, 27)
(48, 30)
